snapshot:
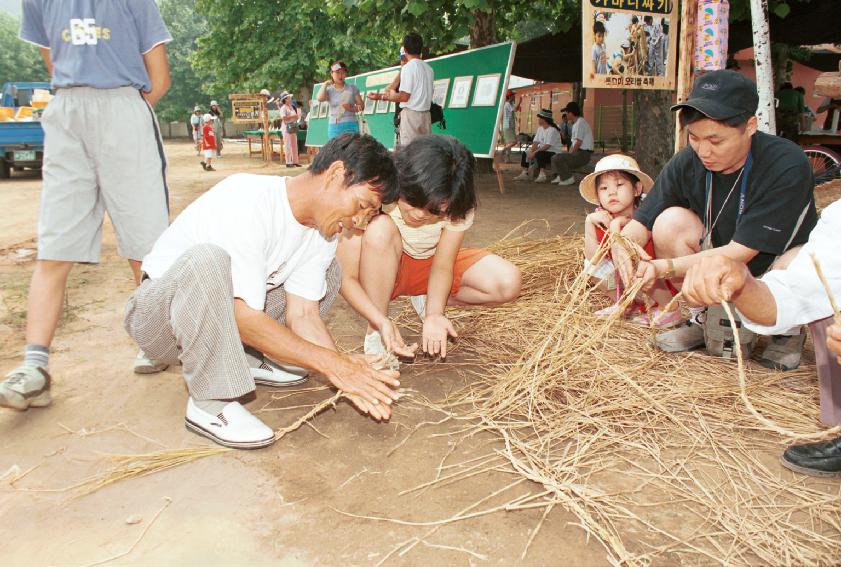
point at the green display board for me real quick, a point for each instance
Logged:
(471, 84)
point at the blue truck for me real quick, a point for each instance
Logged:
(21, 143)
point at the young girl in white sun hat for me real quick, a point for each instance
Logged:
(616, 187)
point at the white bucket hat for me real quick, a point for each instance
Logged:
(614, 162)
(214, 103)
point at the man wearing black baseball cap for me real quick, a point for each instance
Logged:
(582, 147)
(732, 191)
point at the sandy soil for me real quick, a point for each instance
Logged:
(274, 506)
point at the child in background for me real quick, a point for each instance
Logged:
(195, 124)
(616, 187)
(599, 50)
(208, 142)
(415, 249)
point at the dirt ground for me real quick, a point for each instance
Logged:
(275, 506)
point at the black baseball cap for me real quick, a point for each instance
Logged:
(573, 107)
(720, 95)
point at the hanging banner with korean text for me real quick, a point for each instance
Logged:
(630, 44)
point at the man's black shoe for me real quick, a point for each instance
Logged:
(815, 459)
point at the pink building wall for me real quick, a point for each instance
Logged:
(801, 76)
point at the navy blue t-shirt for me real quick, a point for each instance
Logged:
(94, 43)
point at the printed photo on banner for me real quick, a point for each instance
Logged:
(629, 44)
(370, 104)
(486, 89)
(382, 104)
(461, 92)
(439, 91)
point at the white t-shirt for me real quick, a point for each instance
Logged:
(549, 136)
(416, 78)
(797, 290)
(250, 218)
(508, 116)
(582, 131)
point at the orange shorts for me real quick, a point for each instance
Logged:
(413, 274)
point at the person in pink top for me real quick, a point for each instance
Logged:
(289, 116)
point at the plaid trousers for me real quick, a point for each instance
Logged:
(188, 315)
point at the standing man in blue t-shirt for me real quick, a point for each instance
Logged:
(109, 68)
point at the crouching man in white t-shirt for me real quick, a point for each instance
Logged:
(252, 263)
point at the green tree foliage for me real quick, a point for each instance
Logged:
(273, 44)
(19, 61)
(276, 44)
(445, 22)
(189, 87)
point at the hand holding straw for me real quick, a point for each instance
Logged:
(818, 436)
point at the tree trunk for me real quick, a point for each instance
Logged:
(654, 129)
(578, 94)
(483, 30)
(764, 68)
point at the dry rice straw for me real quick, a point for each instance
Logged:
(608, 426)
(834, 431)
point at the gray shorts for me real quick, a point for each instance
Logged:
(102, 152)
(509, 135)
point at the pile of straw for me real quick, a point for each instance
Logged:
(656, 454)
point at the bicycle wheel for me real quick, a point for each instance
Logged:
(825, 163)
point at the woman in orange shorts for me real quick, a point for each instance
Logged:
(415, 248)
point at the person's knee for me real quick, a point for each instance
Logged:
(210, 261)
(509, 284)
(506, 281)
(674, 230)
(381, 235)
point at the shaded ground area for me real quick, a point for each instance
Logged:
(272, 506)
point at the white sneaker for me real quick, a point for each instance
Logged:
(524, 176)
(374, 344)
(234, 426)
(25, 387)
(419, 303)
(557, 180)
(279, 376)
(685, 337)
(541, 178)
(570, 181)
(145, 365)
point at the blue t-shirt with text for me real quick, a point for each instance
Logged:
(94, 43)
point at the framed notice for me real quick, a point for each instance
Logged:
(370, 104)
(247, 110)
(392, 106)
(461, 92)
(629, 44)
(323, 109)
(382, 104)
(439, 91)
(486, 89)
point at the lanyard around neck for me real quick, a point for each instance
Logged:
(709, 224)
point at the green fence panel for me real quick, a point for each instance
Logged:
(475, 126)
